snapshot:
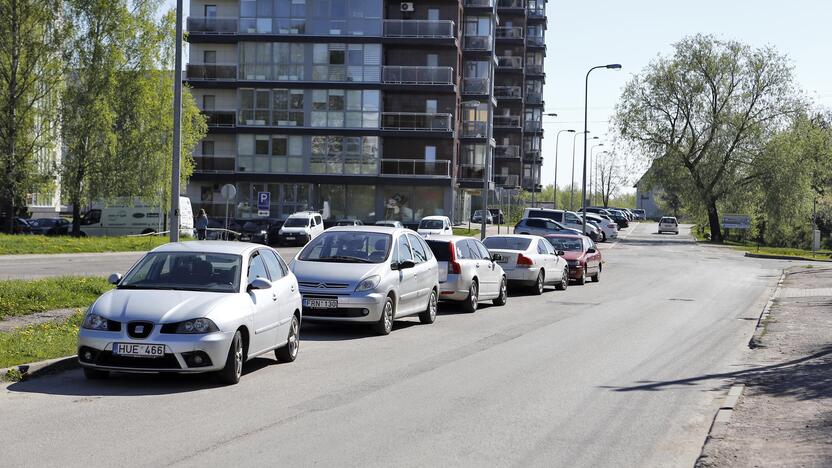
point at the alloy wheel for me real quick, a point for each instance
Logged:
(238, 357)
(294, 344)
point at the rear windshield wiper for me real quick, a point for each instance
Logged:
(345, 258)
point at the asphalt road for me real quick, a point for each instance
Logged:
(625, 372)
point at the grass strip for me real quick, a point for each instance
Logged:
(30, 244)
(39, 342)
(24, 297)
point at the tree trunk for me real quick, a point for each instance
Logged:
(76, 218)
(7, 207)
(713, 220)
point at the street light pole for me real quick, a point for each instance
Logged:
(555, 185)
(612, 66)
(591, 150)
(177, 124)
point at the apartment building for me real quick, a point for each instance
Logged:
(365, 109)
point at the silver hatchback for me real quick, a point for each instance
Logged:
(367, 274)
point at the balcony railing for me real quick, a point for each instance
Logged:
(476, 43)
(510, 33)
(507, 151)
(474, 129)
(531, 154)
(508, 92)
(470, 171)
(533, 126)
(211, 71)
(511, 4)
(479, 3)
(536, 40)
(419, 28)
(534, 97)
(417, 75)
(214, 163)
(507, 121)
(510, 62)
(537, 12)
(220, 118)
(415, 168)
(512, 180)
(534, 69)
(212, 25)
(475, 86)
(413, 121)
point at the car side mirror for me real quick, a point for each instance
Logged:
(259, 283)
(495, 257)
(114, 278)
(590, 251)
(403, 265)
(561, 253)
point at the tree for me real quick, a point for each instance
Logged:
(612, 175)
(709, 110)
(31, 74)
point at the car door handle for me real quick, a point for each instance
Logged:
(274, 297)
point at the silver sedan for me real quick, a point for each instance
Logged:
(194, 307)
(468, 272)
(530, 261)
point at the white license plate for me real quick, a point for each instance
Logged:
(290, 238)
(321, 303)
(245, 238)
(139, 350)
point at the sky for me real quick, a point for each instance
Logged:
(582, 34)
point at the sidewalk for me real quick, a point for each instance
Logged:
(784, 417)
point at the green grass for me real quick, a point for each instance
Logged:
(38, 342)
(24, 297)
(466, 232)
(752, 247)
(24, 244)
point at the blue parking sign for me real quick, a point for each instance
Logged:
(264, 200)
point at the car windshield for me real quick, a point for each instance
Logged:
(348, 247)
(192, 271)
(345, 223)
(431, 224)
(565, 243)
(296, 222)
(507, 243)
(43, 222)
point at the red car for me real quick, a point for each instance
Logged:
(580, 253)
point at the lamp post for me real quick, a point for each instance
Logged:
(611, 66)
(177, 123)
(555, 185)
(590, 166)
(572, 186)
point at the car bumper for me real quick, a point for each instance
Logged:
(95, 350)
(576, 272)
(455, 288)
(287, 239)
(362, 308)
(522, 275)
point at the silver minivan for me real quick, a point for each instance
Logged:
(367, 274)
(468, 272)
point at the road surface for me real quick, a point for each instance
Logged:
(625, 372)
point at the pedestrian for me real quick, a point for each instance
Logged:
(201, 224)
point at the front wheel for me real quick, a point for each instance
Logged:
(503, 297)
(582, 280)
(230, 374)
(603, 236)
(540, 284)
(564, 280)
(597, 276)
(385, 323)
(429, 315)
(471, 302)
(289, 352)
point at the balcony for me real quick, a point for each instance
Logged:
(507, 180)
(516, 32)
(476, 43)
(508, 92)
(533, 126)
(534, 69)
(479, 3)
(473, 129)
(214, 163)
(507, 152)
(475, 86)
(415, 168)
(534, 97)
(212, 25)
(441, 29)
(536, 41)
(510, 62)
(221, 118)
(417, 75)
(507, 121)
(211, 71)
(531, 154)
(537, 12)
(511, 5)
(413, 121)
(470, 172)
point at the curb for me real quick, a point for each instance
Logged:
(785, 257)
(41, 368)
(759, 330)
(721, 420)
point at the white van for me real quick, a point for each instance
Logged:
(121, 219)
(435, 226)
(300, 228)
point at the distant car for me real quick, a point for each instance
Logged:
(216, 229)
(261, 231)
(497, 215)
(477, 217)
(50, 226)
(541, 227)
(669, 224)
(367, 274)
(435, 226)
(640, 214)
(389, 223)
(300, 228)
(620, 218)
(608, 227)
(194, 307)
(349, 222)
(20, 226)
(468, 272)
(529, 261)
(568, 219)
(583, 257)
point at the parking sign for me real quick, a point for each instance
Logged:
(264, 201)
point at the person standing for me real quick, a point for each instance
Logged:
(201, 225)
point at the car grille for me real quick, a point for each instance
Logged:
(108, 359)
(340, 312)
(139, 329)
(321, 285)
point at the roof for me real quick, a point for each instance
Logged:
(235, 248)
(369, 228)
(304, 214)
(436, 217)
(447, 238)
(522, 236)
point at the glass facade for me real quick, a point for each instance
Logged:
(311, 17)
(345, 108)
(344, 155)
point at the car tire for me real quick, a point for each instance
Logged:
(503, 297)
(564, 281)
(470, 303)
(603, 236)
(289, 352)
(429, 315)
(597, 276)
(539, 284)
(385, 323)
(95, 374)
(582, 280)
(230, 374)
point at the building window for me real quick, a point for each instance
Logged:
(270, 153)
(318, 17)
(209, 56)
(339, 108)
(346, 62)
(288, 61)
(281, 107)
(287, 107)
(344, 155)
(254, 107)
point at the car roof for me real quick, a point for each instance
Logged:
(303, 214)
(437, 217)
(537, 217)
(545, 209)
(521, 236)
(370, 228)
(449, 238)
(565, 236)
(238, 248)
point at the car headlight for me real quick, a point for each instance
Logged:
(195, 326)
(368, 283)
(263, 232)
(95, 322)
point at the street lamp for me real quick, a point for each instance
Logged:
(572, 185)
(557, 139)
(611, 66)
(177, 123)
(590, 164)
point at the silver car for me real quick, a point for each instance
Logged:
(194, 307)
(530, 261)
(367, 274)
(468, 272)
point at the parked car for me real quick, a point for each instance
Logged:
(608, 227)
(264, 231)
(435, 226)
(595, 209)
(640, 214)
(468, 272)
(389, 223)
(194, 307)
(583, 257)
(669, 224)
(620, 218)
(216, 229)
(477, 217)
(300, 228)
(349, 222)
(569, 219)
(50, 226)
(541, 227)
(367, 274)
(20, 226)
(529, 261)
(497, 215)
(126, 216)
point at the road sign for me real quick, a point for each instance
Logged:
(264, 201)
(734, 221)
(228, 192)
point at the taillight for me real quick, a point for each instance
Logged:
(610, 226)
(453, 265)
(524, 260)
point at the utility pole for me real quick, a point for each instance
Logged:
(177, 129)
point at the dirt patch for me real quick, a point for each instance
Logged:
(13, 323)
